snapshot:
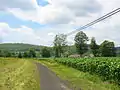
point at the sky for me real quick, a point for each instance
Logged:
(38, 21)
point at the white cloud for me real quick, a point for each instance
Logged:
(107, 30)
(20, 35)
(79, 7)
(58, 11)
(51, 34)
(64, 15)
(4, 30)
(44, 36)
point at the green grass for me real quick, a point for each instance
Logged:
(4, 62)
(18, 74)
(77, 79)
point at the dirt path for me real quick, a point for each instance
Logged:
(48, 80)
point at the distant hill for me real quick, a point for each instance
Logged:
(24, 47)
(19, 47)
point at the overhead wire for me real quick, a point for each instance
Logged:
(95, 21)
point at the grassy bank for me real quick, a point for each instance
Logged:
(18, 74)
(77, 79)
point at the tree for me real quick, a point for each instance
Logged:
(20, 55)
(25, 54)
(81, 42)
(59, 44)
(32, 53)
(1, 53)
(45, 52)
(107, 49)
(13, 54)
(7, 54)
(94, 47)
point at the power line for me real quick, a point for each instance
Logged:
(96, 21)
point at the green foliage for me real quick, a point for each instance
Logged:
(78, 80)
(7, 54)
(107, 49)
(59, 44)
(4, 53)
(18, 47)
(25, 54)
(45, 52)
(72, 49)
(31, 53)
(94, 47)
(107, 68)
(81, 42)
(13, 54)
(117, 51)
(1, 53)
(20, 55)
(15, 48)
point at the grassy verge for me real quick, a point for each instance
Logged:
(5, 62)
(78, 79)
(18, 74)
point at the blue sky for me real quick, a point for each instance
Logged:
(15, 22)
(42, 2)
(38, 21)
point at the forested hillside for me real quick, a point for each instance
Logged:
(25, 47)
(19, 46)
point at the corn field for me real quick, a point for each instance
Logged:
(107, 68)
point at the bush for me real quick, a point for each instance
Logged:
(19, 55)
(45, 52)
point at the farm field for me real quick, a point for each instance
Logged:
(86, 77)
(18, 74)
(106, 68)
(75, 74)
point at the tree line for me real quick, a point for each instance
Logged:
(30, 53)
(105, 49)
(62, 49)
